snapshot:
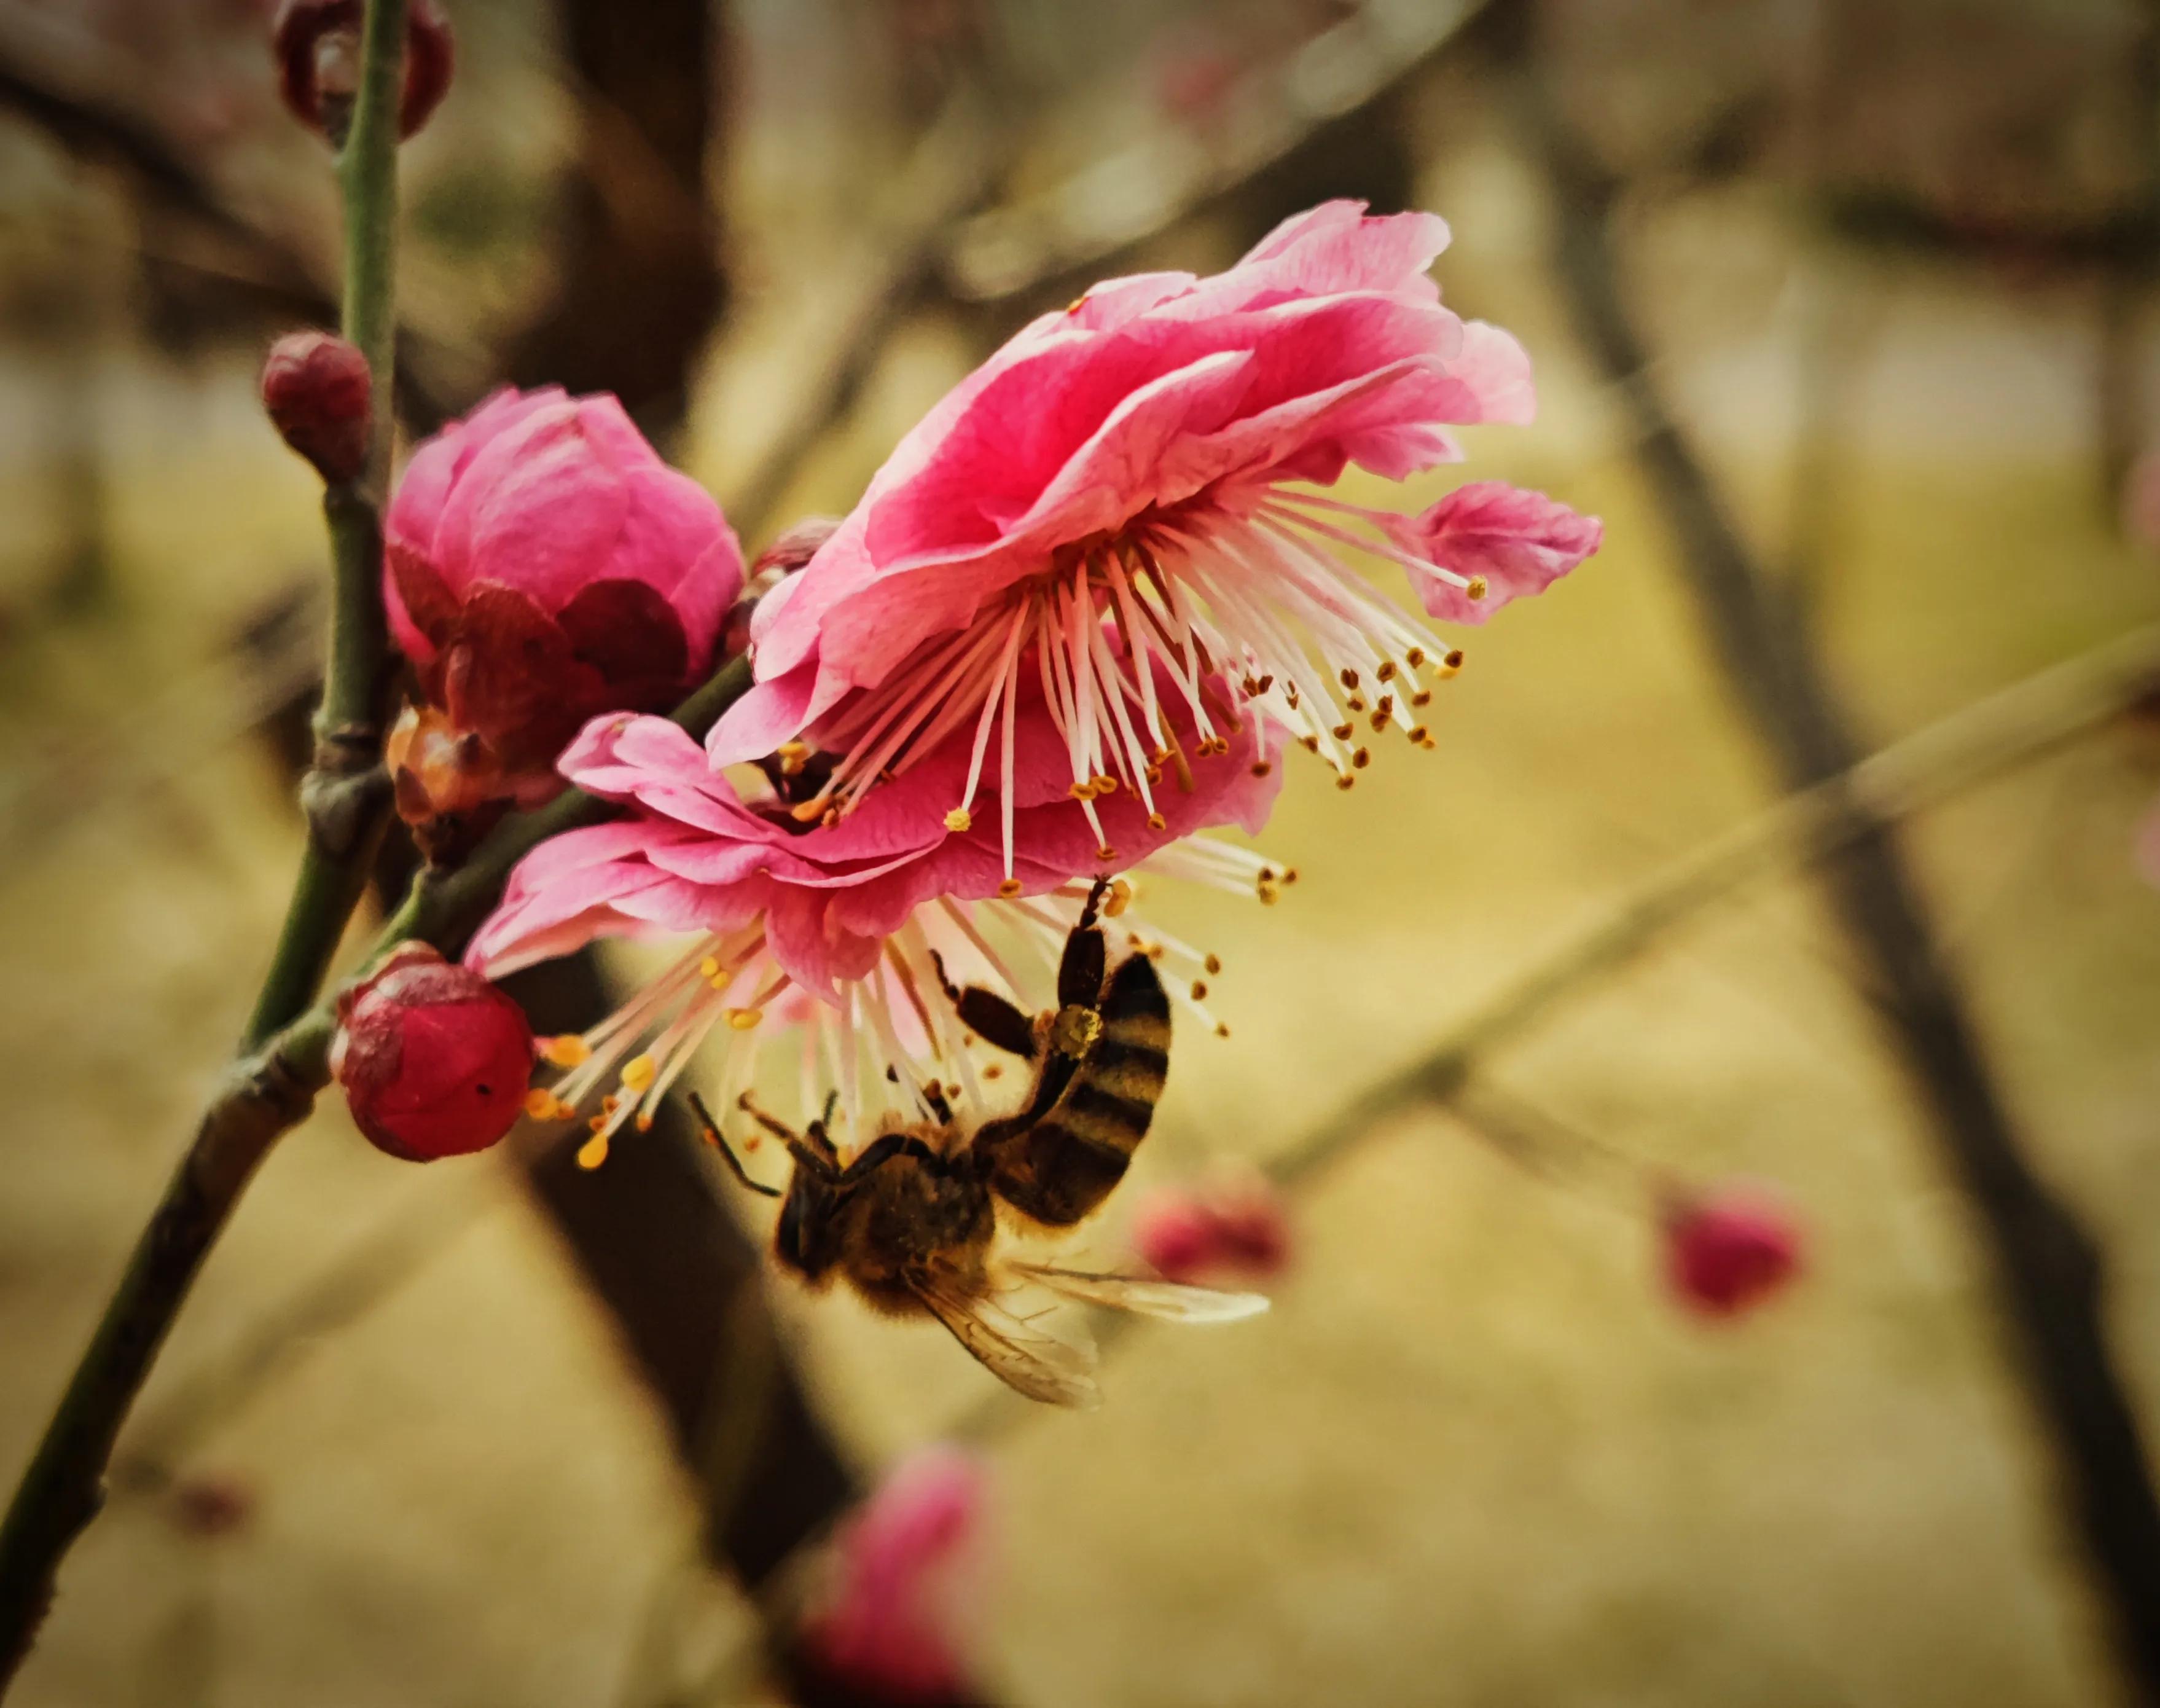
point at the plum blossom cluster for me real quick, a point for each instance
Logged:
(1073, 624)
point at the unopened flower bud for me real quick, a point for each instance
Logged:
(317, 46)
(317, 392)
(1731, 1249)
(1234, 1230)
(543, 566)
(433, 1059)
(786, 555)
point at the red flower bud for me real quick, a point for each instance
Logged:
(435, 1060)
(1729, 1251)
(316, 390)
(1233, 1230)
(317, 45)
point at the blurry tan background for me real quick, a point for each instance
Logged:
(1475, 1456)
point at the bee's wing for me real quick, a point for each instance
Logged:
(1014, 1347)
(1172, 1300)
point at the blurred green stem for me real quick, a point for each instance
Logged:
(285, 1056)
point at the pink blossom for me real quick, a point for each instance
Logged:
(1238, 1230)
(1121, 492)
(543, 566)
(910, 1572)
(1510, 542)
(1729, 1250)
(834, 925)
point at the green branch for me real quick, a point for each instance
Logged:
(283, 1055)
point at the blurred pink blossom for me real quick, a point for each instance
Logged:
(1233, 1231)
(910, 1573)
(1731, 1248)
(1119, 494)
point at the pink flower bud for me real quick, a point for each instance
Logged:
(435, 1060)
(908, 1573)
(1237, 1230)
(317, 46)
(1731, 1249)
(316, 391)
(543, 566)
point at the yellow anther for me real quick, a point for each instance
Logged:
(1340, 732)
(1453, 661)
(540, 1104)
(1423, 697)
(709, 969)
(792, 754)
(1477, 588)
(1221, 1030)
(644, 1122)
(1008, 889)
(1107, 855)
(1118, 899)
(1356, 702)
(1199, 991)
(1362, 758)
(1311, 743)
(1214, 964)
(1349, 677)
(592, 1152)
(832, 818)
(1415, 657)
(1157, 822)
(1106, 785)
(745, 1020)
(1343, 779)
(596, 1124)
(567, 1050)
(1386, 672)
(1262, 768)
(957, 821)
(1380, 720)
(1419, 733)
(639, 1072)
(1078, 302)
(808, 811)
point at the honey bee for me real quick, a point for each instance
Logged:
(910, 1221)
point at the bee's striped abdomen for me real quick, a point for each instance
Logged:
(1062, 1168)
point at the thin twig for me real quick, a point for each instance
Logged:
(2048, 1272)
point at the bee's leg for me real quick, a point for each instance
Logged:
(1080, 969)
(988, 1016)
(719, 1143)
(815, 1153)
(874, 1155)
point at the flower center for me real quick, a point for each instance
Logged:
(1226, 605)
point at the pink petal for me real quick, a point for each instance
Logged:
(1519, 541)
